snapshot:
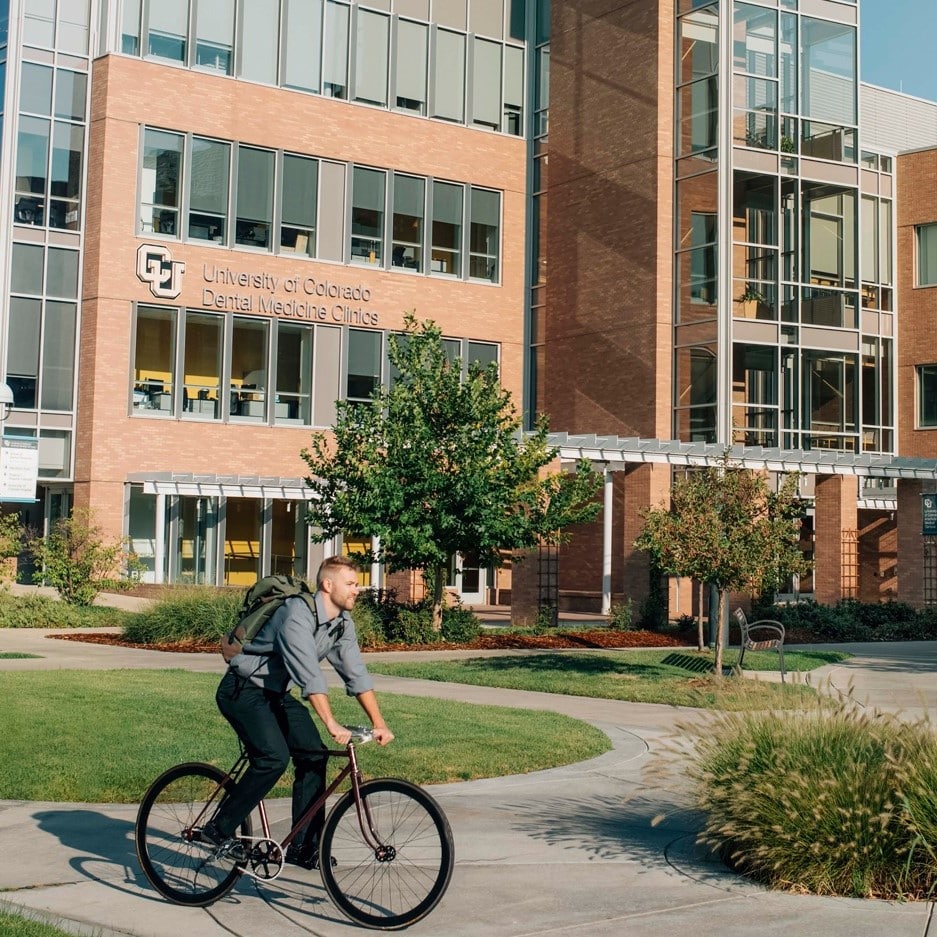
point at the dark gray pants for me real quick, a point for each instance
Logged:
(273, 727)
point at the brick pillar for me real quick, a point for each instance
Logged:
(910, 572)
(525, 588)
(646, 486)
(836, 511)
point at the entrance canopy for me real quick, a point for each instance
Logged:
(616, 453)
(228, 486)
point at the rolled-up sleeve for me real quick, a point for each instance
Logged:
(346, 658)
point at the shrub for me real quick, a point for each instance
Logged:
(414, 625)
(621, 616)
(459, 625)
(192, 614)
(38, 611)
(369, 625)
(838, 801)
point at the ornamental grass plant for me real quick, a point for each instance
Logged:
(194, 614)
(836, 800)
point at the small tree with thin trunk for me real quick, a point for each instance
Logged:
(437, 464)
(728, 528)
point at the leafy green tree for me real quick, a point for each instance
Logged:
(12, 534)
(726, 527)
(76, 561)
(437, 465)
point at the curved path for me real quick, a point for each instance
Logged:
(569, 852)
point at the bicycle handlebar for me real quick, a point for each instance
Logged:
(360, 735)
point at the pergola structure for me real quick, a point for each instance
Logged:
(911, 476)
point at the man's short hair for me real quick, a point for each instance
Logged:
(332, 564)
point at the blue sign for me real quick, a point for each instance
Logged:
(929, 514)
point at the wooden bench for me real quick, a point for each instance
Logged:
(763, 635)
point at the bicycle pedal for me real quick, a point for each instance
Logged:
(266, 859)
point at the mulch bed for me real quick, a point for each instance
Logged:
(596, 638)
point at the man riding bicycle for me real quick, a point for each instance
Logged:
(254, 696)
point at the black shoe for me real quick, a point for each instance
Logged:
(295, 855)
(226, 847)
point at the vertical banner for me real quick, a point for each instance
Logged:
(929, 514)
(19, 468)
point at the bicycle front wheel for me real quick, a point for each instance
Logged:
(172, 855)
(393, 866)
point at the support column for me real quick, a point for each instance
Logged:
(836, 511)
(607, 541)
(910, 574)
(159, 571)
(646, 486)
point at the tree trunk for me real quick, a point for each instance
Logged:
(700, 635)
(723, 598)
(439, 581)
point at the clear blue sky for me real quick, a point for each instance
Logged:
(899, 45)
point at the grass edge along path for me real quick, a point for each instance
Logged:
(15, 922)
(103, 736)
(632, 676)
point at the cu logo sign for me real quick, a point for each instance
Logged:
(156, 267)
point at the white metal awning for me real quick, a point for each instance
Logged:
(616, 453)
(222, 486)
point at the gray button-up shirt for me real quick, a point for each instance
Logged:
(287, 651)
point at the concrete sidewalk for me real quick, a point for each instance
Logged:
(570, 852)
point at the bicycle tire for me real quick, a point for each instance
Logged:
(387, 893)
(181, 867)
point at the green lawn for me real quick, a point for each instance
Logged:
(103, 736)
(636, 676)
(21, 925)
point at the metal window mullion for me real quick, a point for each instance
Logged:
(431, 70)
(724, 227)
(468, 91)
(351, 77)
(392, 21)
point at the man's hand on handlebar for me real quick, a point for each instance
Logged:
(383, 735)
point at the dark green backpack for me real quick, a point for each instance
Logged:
(262, 599)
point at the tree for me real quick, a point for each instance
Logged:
(76, 561)
(726, 527)
(12, 534)
(437, 465)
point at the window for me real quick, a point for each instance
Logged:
(249, 368)
(65, 176)
(927, 396)
(159, 183)
(58, 356)
(367, 216)
(512, 121)
(449, 78)
(486, 84)
(32, 159)
(294, 373)
(409, 195)
(259, 31)
(410, 90)
(130, 27)
(483, 235)
(371, 58)
(208, 190)
(300, 198)
(302, 31)
(364, 364)
(335, 65)
(154, 359)
(168, 26)
(482, 354)
(214, 35)
(202, 366)
(72, 28)
(39, 23)
(446, 251)
(927, 255)
(254, 197)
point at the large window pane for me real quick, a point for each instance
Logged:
(371, 58)
(446, 252)
(154, 359)
(294, 373)
(202, 368)
(26, 269)
(927, 255)
(449, 78)
(168, 27)
(62, 275)
(72, 31)
(254, 197)
(927, 395)
(214, 35)
(364, 364)
(303, 44)
(486, 84)
(58, 356)
(32, 166)
(828, 71)
(513, 116)
(36, 89)
(409, 198)
(484, 235)
(39, 23)
(335, 65)
(698, 117)
(130, 27)
(65, 188)
(299, 203)
(411, 66)
(259, 36)
(159, 182)
(23, 350)
(367, 216)
(70, 92)
(755, 40)
(249, 368)
(208, 190)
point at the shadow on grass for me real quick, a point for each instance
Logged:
(585, 665)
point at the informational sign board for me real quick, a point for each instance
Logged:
(929, 514)
(19, 468)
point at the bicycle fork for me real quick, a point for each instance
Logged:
(383, 852)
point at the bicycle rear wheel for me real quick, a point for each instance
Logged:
(401, 881)
(175, 861)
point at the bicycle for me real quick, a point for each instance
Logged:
(385, 854)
